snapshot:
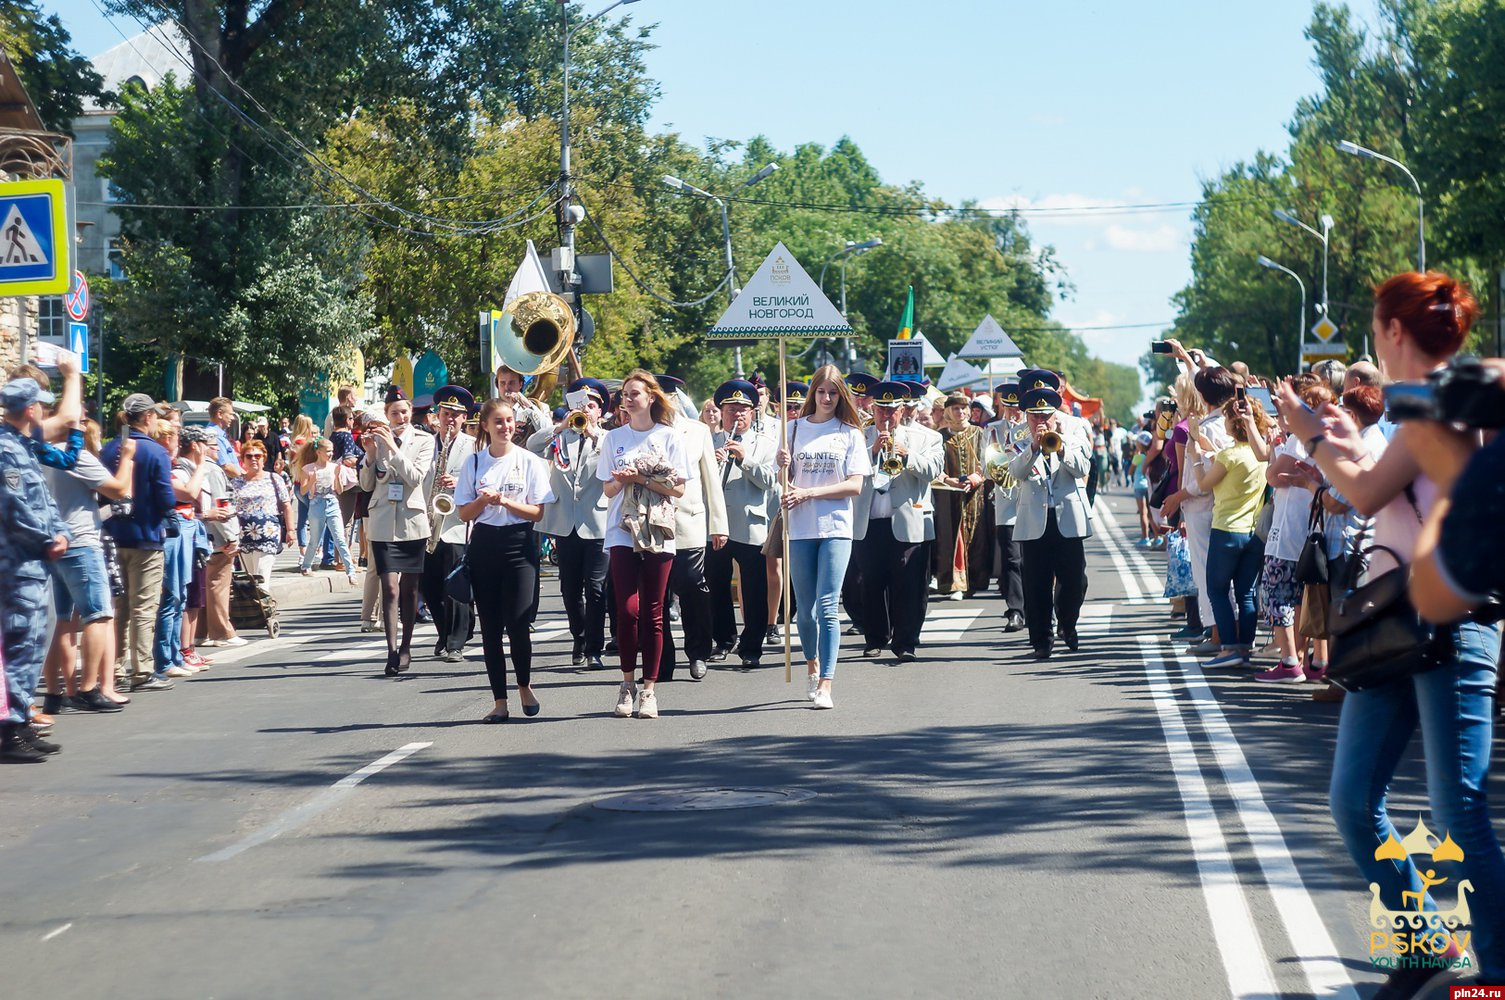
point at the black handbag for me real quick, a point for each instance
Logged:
(1311, 566)
(1377, 634)
(1164, 487)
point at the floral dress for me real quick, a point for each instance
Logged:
(259, 502)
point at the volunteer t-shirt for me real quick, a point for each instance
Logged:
(1236, 497)
(73, 492)
(824, 454)
(1293, 506)
(519, 476)
(621, 449)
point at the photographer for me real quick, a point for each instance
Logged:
(1420, 321)
(1460, 561)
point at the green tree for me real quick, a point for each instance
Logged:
(58, 79)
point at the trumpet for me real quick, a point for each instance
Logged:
(577, 422)
(1050, 443)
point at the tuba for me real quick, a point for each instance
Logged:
(535, 337)
(996, 467)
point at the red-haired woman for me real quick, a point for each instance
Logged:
(1420, 321)
(643, 467)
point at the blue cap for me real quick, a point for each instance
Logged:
(795, 393)
(1042, 400)
(861, 383)
(1008, 394)
(20, 393)
(454, 397)
(890, 394)
(1038, 378)
(736, 391)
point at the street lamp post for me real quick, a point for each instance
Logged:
(570, 214)
(846, 253)
(726, 234)
(1301, 316)
(1354, 149)
(1324, 236)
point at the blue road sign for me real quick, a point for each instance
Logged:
(78, 343)
(33, 245)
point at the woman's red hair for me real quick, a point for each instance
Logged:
(1435, 310)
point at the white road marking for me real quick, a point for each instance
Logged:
(297, 816)
(1319, 957)
(359, 651)
(56, 931)
(947, 624)
(1233, 928)
(1153, 584)
(1096, 619)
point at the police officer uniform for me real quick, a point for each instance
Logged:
(32, 525)
(746, 485)
(1008, 436)
(576, 520)
(699, 515)
(893, 520)
(452, 619)
(1052, 522)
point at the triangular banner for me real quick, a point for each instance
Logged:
(989, 341)
(957, 374)
(780, 300)
(933, 357)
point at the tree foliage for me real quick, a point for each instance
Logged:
(58, 79)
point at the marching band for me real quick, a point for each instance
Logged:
(645, 504)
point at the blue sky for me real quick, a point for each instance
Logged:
(1057, 104)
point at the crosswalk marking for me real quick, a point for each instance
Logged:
(1096, 619)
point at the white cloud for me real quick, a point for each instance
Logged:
(1161, 239)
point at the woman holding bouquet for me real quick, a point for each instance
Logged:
(642, 465)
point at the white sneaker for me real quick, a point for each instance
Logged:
(955, 595)
(625, 694)
(823, 699)
(177, 671)
(207, 643)
(234, 640)
(648, 705)
(812, 684)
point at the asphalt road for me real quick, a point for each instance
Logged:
(1109, 824)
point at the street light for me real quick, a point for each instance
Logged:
(846, 253)
(726, 231)
(1327, 228)
(1301, 316)
(1354, 149)
(570, 215)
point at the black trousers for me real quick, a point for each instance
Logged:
(1011, 576)
(853, 593)
(451, 618)
(583, 567)
(687, 582)
(505, 560)
(895, 581)
(718, 570)
(1053, 566)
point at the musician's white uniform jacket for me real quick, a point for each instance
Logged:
(452, 529)
(746, 485)
(701, 512)
(399, 487)
(1056, 481)
(1010, 438)
(579, 503)
(908, 500)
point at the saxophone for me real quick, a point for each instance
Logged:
(441, 501)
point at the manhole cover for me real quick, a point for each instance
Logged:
(694, 799)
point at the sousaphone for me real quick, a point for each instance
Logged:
(535, 337)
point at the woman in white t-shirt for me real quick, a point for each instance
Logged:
(643, 467)
(827, 459)
(502, 490)
(1295, 480)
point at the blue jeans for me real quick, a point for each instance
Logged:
(324, 513)
(817, 567)
(1233, 560)
(1454, 706)
(307, 530)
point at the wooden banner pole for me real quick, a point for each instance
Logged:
(783, 492)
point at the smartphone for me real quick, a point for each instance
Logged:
(1241, 394)
(1160, 347)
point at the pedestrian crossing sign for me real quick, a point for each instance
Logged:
(34, 258)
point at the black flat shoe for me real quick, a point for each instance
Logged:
(493, 719)
(392, 668)
(1072, 640)
(533, 709)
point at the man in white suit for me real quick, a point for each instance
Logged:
(577, 518)
(452, 449)
(700, 517)
(1008, 435)
(892, 521)
(1053, 520)
(745, 454)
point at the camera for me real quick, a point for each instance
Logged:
(1465, 392)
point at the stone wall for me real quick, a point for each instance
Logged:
(10, 325)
